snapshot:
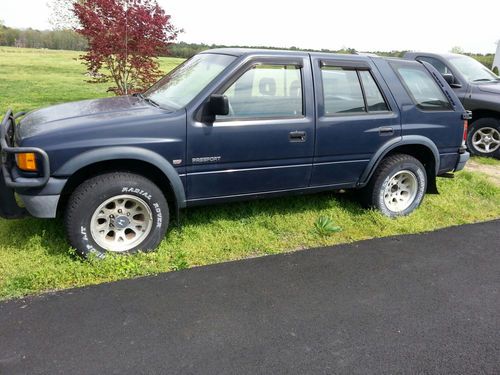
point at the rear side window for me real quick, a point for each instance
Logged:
(341, 91)
(374, 99)
(350, 91)
(423, 89)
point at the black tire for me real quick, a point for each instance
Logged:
(404, 167)
(133, 200)
(489, 127)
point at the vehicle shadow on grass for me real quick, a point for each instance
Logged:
(237, 211)
(30, 233)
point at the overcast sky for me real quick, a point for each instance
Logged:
(376, 25)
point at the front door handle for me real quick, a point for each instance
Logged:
(386, 130)
(297, 136)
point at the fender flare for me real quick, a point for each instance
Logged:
(116, 153)
(391, 145)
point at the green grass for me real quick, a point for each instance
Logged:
(33, 78)
(34, 255)
(487, 161)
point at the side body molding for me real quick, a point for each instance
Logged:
(391, 145)
(135, 153)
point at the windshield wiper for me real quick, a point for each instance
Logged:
(146, 99)
(151, 101)
(484, 80)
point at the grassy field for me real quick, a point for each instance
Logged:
(487, 161)
(33, 78)
(34, 256)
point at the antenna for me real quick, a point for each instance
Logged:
(126, 47)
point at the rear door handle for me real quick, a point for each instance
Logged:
(297, 136)
(386, 130)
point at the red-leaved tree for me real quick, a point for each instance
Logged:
(125, 37)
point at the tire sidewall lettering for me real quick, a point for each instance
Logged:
(137, 191)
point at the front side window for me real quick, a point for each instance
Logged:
(440, 67)
(180, 86)
(266, 91)
(423, 89)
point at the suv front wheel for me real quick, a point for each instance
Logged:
(116, 212)
(483, 138)
(398, 185)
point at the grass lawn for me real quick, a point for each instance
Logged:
(487, 161)
(34, 256)
(33, 78)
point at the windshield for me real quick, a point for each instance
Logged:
(472, 69)
(180, 86)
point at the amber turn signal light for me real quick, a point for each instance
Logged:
(26, 161)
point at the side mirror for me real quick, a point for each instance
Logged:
(450, 79)
(218, 105)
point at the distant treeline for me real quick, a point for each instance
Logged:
(50, 39)
(69, 40)
(186, 50)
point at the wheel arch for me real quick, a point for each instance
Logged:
(478, 114)
(421, 148)
(128, 159)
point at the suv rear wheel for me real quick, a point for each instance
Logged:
(116, 212)
(398, 185)
(483, 138)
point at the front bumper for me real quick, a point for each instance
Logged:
(9, 179)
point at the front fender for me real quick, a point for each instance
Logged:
(393, 144)
(123, 152)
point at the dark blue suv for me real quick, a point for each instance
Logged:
(233, 124)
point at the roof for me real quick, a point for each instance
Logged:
(445, 55)
(238, 52)
(260, 51)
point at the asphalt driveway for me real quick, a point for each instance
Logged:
(421, 304)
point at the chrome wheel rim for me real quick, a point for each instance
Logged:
(121, 223)
(400, 191)
(486, 139)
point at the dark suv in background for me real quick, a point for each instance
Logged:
(478, 88)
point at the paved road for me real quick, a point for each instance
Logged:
(414, 304)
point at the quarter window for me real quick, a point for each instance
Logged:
(266, 91)
(423, 89)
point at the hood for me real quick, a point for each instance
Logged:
(493, 88)
(83, 114)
